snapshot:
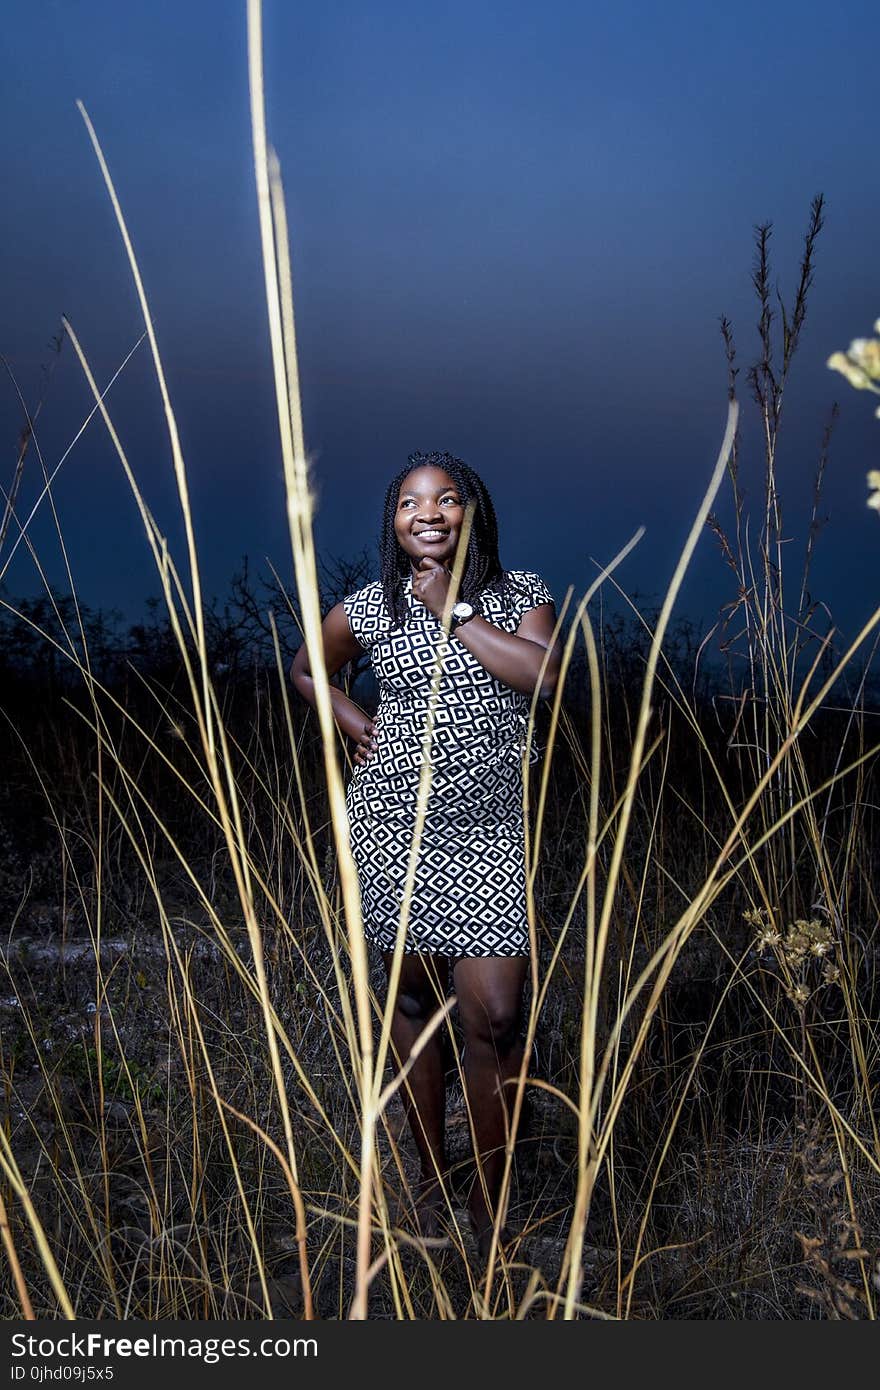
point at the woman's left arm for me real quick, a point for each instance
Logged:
(515, 658)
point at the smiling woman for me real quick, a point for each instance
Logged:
(468, 902)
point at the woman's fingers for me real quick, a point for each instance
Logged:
(432, 578)
(366, 745)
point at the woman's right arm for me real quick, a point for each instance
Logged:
(340, 647)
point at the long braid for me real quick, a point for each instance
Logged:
(482, 566)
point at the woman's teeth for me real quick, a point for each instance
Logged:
(431, 535)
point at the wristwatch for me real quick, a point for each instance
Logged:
(461, 613)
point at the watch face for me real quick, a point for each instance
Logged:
(462, 610)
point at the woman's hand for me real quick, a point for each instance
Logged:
(366, 744)
(431, 585)
(340, 647)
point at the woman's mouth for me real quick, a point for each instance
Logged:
(431, 535)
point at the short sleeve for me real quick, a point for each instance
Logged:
(531, 592)
(367, 618)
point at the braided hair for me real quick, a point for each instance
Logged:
(482, 567)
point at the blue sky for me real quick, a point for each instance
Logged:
(515, 230)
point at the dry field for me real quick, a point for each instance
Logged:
(199, 1117)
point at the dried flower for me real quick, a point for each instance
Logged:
(830, 973)
(798, 994)
(796, 943)
(768, 938)
(865, 352)
(860, 364)
(803, 938)
(755, 916)
(855, 375)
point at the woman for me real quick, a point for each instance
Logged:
(468, 904)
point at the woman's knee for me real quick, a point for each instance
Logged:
(415, 1006)
(420, 990)
(490, 999)
(492, 1023)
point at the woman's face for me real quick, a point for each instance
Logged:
(429, 516)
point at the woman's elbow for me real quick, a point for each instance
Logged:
(550, 678)
(300, 673)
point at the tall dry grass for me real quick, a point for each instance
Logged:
(198, 1119)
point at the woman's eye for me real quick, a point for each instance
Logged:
(454, 500)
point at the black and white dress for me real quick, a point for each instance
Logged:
(469, 892)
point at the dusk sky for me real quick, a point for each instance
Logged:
(515, 230)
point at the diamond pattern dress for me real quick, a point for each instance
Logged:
(469, 893)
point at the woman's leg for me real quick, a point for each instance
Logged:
(490, 994)
(420, 992)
